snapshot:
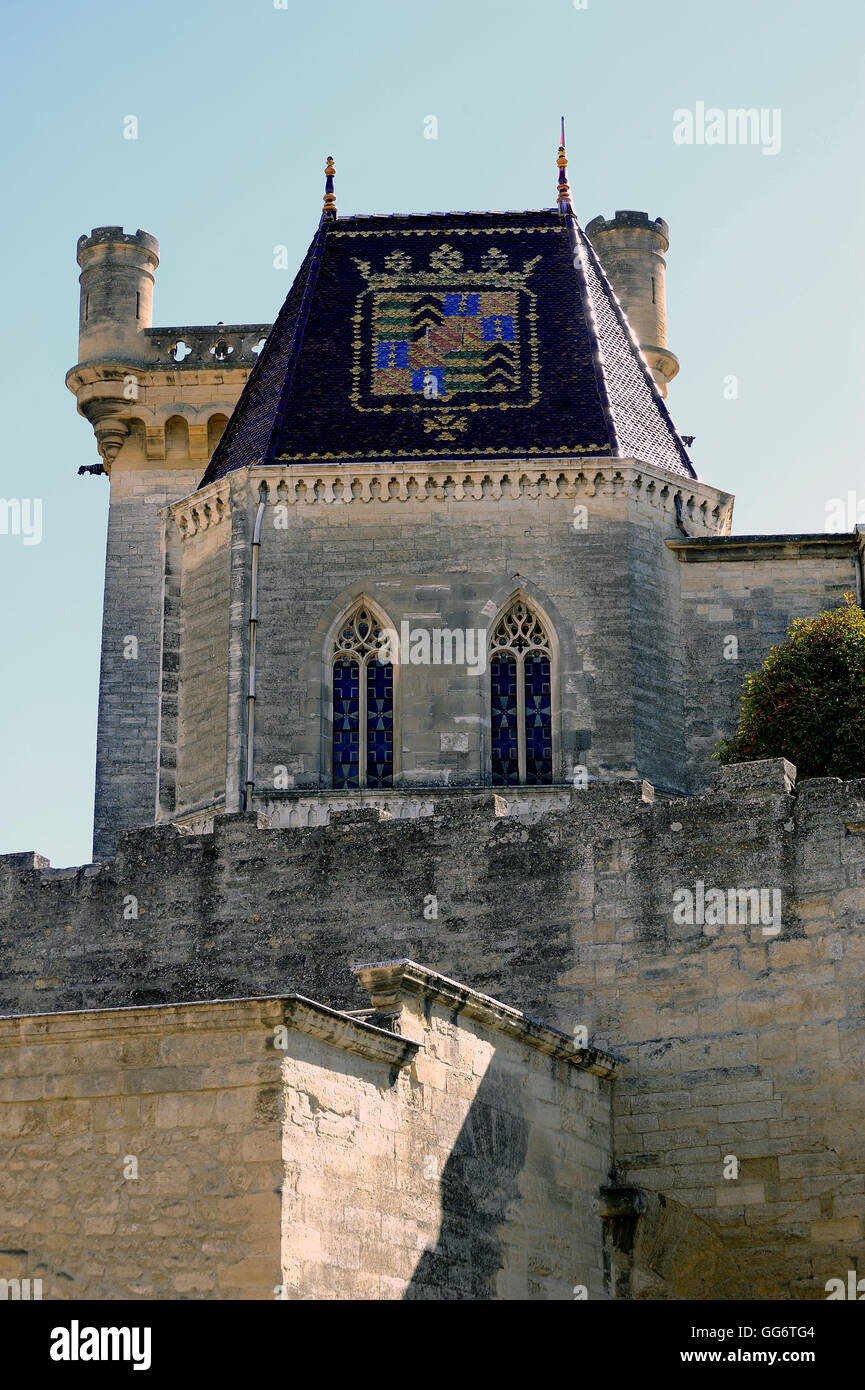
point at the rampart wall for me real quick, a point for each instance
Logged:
(743, 1038)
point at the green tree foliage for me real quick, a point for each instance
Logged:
(807, 701)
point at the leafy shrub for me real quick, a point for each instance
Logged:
(807, 701)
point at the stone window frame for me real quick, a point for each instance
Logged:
(549, 648)
(333, 653)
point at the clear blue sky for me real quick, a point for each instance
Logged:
(239, 103)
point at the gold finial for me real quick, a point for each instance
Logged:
(564, 189)
(329, 208)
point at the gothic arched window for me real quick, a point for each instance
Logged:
(362, 704)
(521, 700)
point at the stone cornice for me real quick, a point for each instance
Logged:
(294, 1010)
(351, 1034)
(388, 982)
(704, 507)
(695, 549)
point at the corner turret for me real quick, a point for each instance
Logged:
(117, 275)
(631, 248)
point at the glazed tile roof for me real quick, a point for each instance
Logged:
(449, 335)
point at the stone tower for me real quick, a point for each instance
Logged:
(158, 400)
(450, 435)
(632, 249)
(454, 431)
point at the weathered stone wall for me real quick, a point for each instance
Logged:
(586, 546)
(750, 590)
(193, 1096)
(746, 1044)
(203, 672)
(268, 1148)
(657, 668)
(129, 686)
(473, 1173)
(439, 564)
(739, 1041)
(640, 618)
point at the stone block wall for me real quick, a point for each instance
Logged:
(739, 1041)
(445, 550)
(640, 619)
(472, 1174)
(129, 686)
(274, 1148)
(187, 1098)
(203, 637)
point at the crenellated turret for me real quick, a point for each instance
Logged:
(158, 400)
(117, 275)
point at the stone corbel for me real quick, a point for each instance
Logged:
(109, 427)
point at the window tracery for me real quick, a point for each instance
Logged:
(363, 719)
(521, 699)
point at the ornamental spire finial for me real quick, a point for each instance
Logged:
(328, 212)
(563, 197)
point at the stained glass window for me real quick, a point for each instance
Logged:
(521, 700)
(379, 724)
(539, 729)
(346, 723)
(362, 705)
(505, 742)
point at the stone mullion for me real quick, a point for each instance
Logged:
(362, 718)
(521, 719)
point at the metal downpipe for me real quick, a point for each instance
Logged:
(249, 784)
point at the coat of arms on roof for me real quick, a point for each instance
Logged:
(446, 327)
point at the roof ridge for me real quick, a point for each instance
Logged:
(296, 340)
(577, 251)
(288, 312)
(636, 350)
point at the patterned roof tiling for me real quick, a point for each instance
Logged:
(642, 422)
(245, 437)
(450, 335)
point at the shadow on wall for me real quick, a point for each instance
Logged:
(479, 1191)
(668, 1252)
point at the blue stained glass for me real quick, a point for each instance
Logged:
(539, 737)
(499, 328)
(505, 755)
(461, 305)
(379, 724)
(346, 724)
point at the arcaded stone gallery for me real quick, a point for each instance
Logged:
(392, 975)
